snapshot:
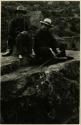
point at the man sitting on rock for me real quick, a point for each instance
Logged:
(18, 27)
(45, 43)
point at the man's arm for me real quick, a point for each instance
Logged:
(54, 44)
(11, 27)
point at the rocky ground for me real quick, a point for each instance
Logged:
(40, 94)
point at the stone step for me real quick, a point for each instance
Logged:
(11, 63)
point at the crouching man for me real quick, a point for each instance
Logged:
(18, 33)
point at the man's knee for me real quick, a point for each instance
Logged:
(63, 46)
(24, 42)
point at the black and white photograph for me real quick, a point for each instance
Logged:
(40, 62)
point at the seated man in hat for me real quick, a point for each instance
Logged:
(16, 25)
(45, 43)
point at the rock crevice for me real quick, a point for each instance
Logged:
(41, 95)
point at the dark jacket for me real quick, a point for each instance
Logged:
(17, 25)
(44, 38)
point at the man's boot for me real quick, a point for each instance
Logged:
(7, 53)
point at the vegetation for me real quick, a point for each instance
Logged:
(65, 17)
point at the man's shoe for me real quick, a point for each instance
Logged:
(7, 53)
(61, 55)
(20, 57)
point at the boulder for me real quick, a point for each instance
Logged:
(45, 94)
(35, 17)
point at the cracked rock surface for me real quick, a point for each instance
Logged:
(36, 95)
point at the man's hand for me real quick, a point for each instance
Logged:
(54, 55)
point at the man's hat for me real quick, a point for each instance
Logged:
(21, 9)
(47, 21)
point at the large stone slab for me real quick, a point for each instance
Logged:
(11, 63)
(41, 94)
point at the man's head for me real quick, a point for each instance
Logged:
(47, 23)
(20, 10)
